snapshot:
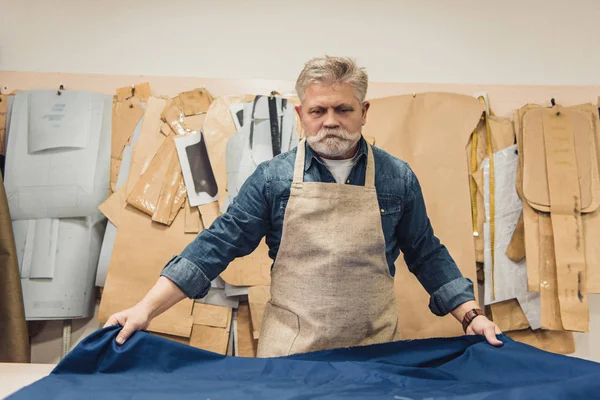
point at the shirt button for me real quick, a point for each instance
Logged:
(382, 210)
(348, 181)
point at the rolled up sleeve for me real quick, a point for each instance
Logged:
(427, 258)
(451, 295)
(234, 234)
(187, 276)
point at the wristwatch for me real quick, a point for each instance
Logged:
(469, 317)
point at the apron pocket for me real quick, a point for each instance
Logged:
(279, 331)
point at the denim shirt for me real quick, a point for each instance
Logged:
(259, 208)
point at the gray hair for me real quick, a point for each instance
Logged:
(331, 70)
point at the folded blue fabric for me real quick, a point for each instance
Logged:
(467, 367)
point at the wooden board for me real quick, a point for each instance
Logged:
(258, 296)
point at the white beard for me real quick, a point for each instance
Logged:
(333, 142)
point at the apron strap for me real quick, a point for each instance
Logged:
(299, 167)
(301, 155)
(370, 172)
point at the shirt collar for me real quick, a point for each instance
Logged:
(311, 155)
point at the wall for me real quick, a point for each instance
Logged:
(460, 41)
(463, 41)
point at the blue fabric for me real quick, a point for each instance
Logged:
(258, 210)
(148, 367)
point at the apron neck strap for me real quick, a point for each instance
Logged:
(370, 173)
(301, 155)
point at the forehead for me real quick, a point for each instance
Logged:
(317, 94)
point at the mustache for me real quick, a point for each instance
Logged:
(339, 133)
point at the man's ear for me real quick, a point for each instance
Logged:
(298, 109)
(365, 109)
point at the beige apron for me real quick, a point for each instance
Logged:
(330, 286)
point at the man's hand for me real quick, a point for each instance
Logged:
(480, 325)
(163, 295)
(483, 326)
(133, 319)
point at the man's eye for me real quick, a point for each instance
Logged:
(316, 112)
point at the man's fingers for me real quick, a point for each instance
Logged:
(490, 335)
(111, 321)
(126, 332)
(498, 331)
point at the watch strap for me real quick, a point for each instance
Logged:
(469, 317)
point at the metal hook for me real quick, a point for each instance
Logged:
(132, 95)
(553, 102)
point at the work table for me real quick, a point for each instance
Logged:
(14, 376)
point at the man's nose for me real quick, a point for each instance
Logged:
(331, 120)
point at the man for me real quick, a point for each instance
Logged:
(336, 212)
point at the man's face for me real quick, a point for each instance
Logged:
(332, 119)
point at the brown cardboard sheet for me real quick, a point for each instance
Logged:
(178, 121)
(173, 194)
(591, 223)
(551, 318)
(160, 192)
(503, 136)
(142, 248)
(511, 320)
(409, 127)
(516, 248)
(210, 338)
(14, 337)
(479, 209)
(146, 192)
(149, 142)
(509, 315)
(251, 270)
(591, 234)
(113, 207)
(209, 212)
(173, 116)
(530, 216)
(246, 343)
(542, 266)
(126, 114)
(258, 296)
(212, 325)
(535, 168)
(193, 223)
(140, 91)
(210, 315)
(195, 101)
(559, 131)
(532, 247)
(218, 128)
(590, 220)
(559, 342)
(115, 167)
